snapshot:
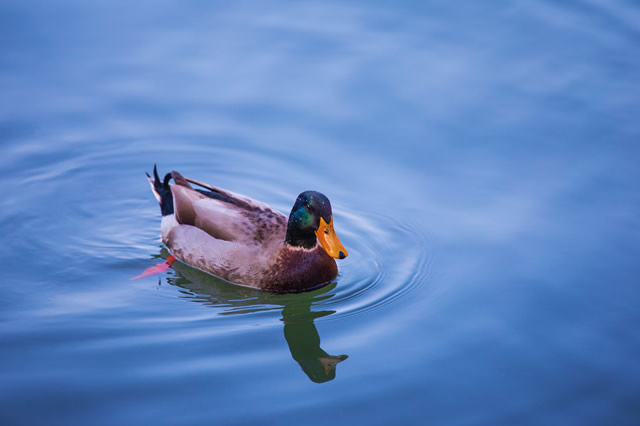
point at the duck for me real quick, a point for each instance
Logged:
(244, 241)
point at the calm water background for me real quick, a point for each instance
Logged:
(482, 161)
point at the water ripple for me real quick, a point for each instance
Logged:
(390, 262)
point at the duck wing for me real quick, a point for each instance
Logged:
(225, 215)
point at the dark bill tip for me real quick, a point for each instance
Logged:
(341, 254)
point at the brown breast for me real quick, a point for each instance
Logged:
(298, 270)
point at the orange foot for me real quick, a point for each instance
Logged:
(157, 269)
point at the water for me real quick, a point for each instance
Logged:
(482, 162)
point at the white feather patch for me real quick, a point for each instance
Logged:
(155, 193)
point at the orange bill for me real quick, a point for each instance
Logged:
(329, 240)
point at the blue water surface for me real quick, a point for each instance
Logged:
(482, 160)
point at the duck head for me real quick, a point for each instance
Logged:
(310, 221)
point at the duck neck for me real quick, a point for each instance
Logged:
(299, 238)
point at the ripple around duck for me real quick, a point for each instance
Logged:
(390, 261)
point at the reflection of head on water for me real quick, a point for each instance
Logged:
(299, 330)
(304, 342)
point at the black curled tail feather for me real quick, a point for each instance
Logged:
(162, 191)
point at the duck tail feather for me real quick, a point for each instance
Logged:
(161, 191)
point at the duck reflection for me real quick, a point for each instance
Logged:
(304, 342)
(299, 329)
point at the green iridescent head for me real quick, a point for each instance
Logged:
(310, 221)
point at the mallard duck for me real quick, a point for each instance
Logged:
(246, 242)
